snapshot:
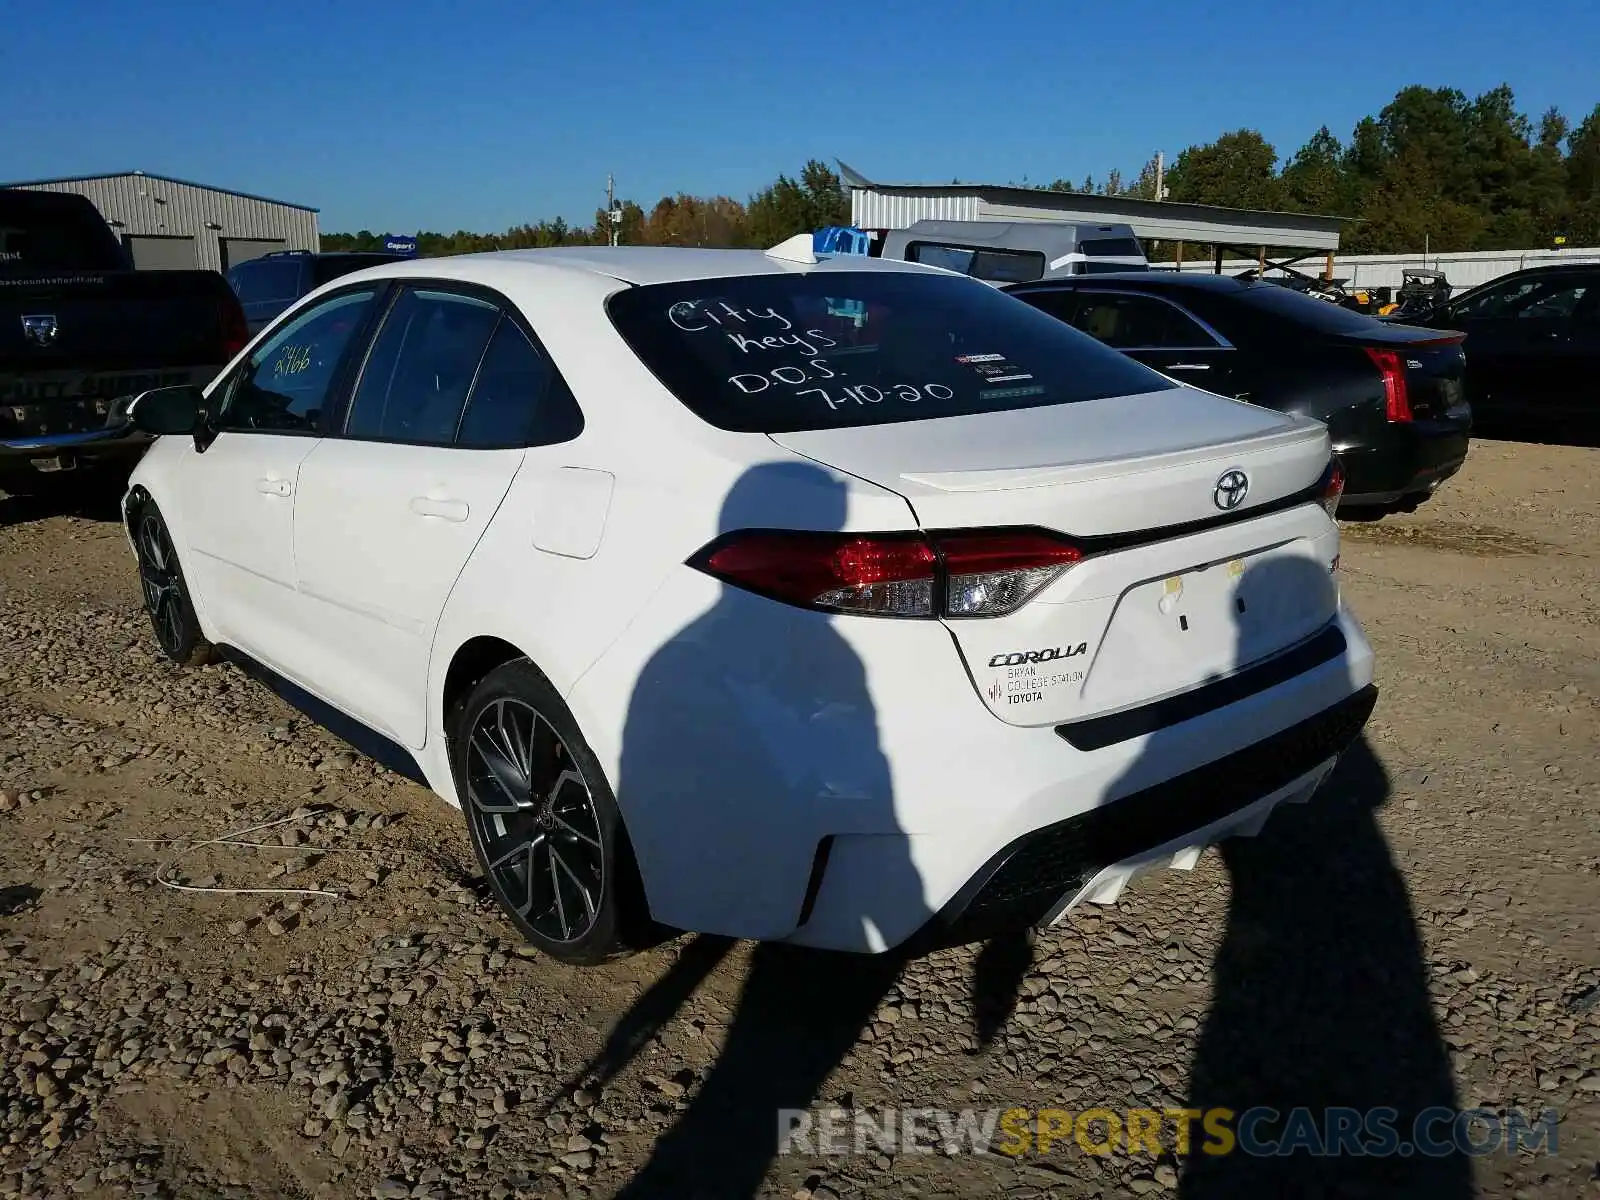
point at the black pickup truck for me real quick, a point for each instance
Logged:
(82, 332)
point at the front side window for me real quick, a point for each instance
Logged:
(1532, 299)
(423, 361)
(1138, 323)
(285, 385)
(838, 348)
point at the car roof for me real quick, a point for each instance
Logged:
(641, 264)
(1150, 279)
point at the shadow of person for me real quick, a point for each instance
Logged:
(751, 769)
(1320, 996)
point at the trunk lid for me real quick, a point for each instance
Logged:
(1435, 367)
(1175, 588)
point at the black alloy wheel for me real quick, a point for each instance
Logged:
(543, 823)
(166, 597)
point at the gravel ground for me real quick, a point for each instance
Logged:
(1425, 932)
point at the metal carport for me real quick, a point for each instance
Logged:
(896, 205)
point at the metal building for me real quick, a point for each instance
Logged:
(897, 205)
(172, 224)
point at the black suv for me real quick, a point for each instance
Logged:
(269, 284)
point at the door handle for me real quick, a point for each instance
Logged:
(448, 510)
(274, 487)
(1189, 366)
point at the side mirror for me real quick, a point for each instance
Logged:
(168, 410)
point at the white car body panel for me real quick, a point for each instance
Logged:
(381, 534)
(237, 512)
(739, 734)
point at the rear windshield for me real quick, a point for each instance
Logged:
(333, 266)
(835, 349)
(267, 279)
(40, 238)
(1306, 311)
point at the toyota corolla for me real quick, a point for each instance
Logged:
(836, 601)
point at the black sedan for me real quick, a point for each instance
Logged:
(1534, 340)
(1391, 395)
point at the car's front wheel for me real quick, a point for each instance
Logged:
(543, 822)
(166, 594)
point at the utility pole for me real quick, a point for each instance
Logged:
(1161, 162)
(613, 214)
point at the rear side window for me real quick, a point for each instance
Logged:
(1060, 303)
(833, 349)
(518, 398)
(1137, 323)
(421, 366)
(266, 280)
(996, 266)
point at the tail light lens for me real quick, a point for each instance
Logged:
(991, 574)
(1396, 399)
(885, 575)
(235, 331)
(1330, 489)
(958, 575)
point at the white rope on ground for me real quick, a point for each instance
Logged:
(228, 839)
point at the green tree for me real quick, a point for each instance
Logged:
(1238, 170)
(1583, 181)
(1315, 180)
(792, 206)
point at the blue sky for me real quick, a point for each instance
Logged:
(484, 115)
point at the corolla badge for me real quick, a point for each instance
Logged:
(39, 328)
(1231, 489)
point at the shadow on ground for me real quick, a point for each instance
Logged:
(1321, 1001)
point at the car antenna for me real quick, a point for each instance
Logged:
(796, 249)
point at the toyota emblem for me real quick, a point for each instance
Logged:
(1231, 489)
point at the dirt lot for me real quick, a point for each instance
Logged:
(1425, 932)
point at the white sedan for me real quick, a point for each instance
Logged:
(836, 601)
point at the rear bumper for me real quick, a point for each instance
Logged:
(1405, 459)
(1048, 826)
(1090, 856)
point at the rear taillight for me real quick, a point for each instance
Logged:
(235, 331)
(991, 574)
(1396, 399)
(1330, 488)
(886, 575)
(969, 573)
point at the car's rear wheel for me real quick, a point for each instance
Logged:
(543, 822)
(166, 595)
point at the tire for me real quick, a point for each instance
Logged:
(543, 822)
(166, 594)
